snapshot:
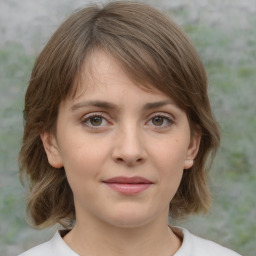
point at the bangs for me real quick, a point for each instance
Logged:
(139, 67)
(149, 64)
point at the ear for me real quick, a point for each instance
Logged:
(51, 149)
(192, 149)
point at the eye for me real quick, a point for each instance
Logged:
(160, 120)
(94, 120)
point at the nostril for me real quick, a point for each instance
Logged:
(119, 159)
(129, 161)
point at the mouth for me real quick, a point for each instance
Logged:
(128, 185)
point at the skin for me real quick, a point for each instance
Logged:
(129, 136)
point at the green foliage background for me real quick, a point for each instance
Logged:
(230, 59)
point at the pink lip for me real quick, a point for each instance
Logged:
(128, 185)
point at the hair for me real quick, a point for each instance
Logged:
(153, 51)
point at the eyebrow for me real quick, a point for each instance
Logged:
(158, 104)
(108, 105)
(99, 104)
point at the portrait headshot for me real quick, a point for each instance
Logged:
(128, 128)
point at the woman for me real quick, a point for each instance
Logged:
(118, 134)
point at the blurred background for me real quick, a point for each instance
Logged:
(224, 33)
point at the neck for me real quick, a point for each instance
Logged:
(94, 238)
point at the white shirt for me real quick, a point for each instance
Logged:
(191, 246)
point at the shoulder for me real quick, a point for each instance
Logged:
(40, 250)
(194, 245)
(55, 247)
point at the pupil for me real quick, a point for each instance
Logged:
(96, 120)
(158, 120)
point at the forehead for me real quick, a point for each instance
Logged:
(102, 71)
(104, 83)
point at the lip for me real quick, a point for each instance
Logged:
(128, 185)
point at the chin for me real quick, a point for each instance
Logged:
(130, 219)
(129, 223)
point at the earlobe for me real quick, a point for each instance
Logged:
(192, 150)
(51, 149)
(188, 163)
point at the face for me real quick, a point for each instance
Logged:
(123, 148)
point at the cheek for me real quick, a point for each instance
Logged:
(171, 155)
(169, 161)
(170, 173)
(78, 149)
(83, 159)
(82, 168)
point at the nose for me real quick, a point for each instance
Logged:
(129, 148)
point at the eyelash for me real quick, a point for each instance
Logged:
(165, 118)
(88, 118)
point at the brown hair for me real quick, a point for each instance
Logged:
(153, 51)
